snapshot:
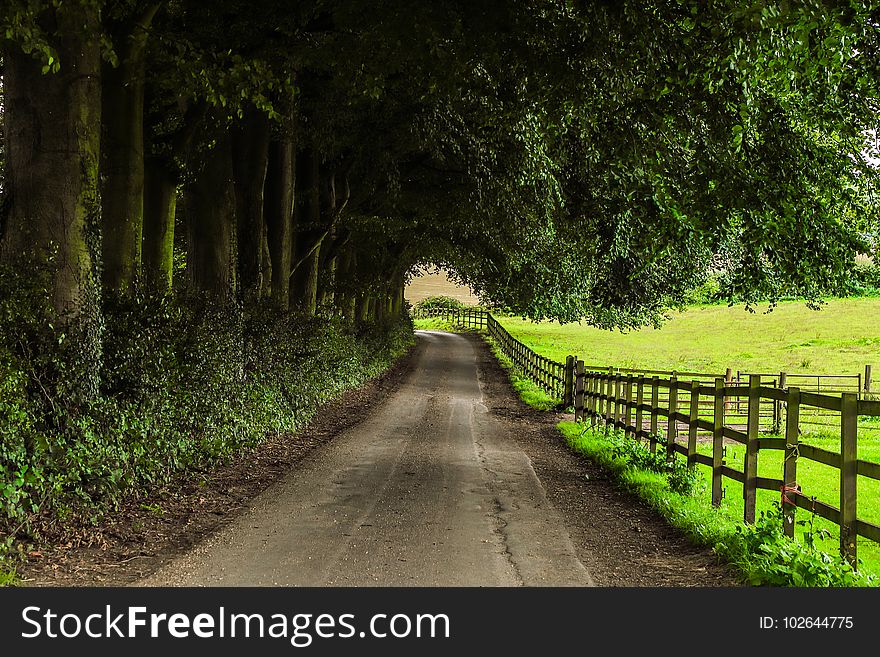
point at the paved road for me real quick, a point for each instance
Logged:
(426, 491)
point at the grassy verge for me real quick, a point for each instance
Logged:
(530, 393)
(438, 324)
(760, 552)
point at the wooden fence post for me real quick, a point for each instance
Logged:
(789, 468)
(567, 386)
(615, 396)
(627, 411)
(593, 383)
(718, 442)
(618, 400)
(671, 423)
(611, 400)
(640, 400)
(692, 424)
(655, 406)
(728, 380)
(750, 485)
(579, 390)
(866, 384)
(777, 405)
(849, 427)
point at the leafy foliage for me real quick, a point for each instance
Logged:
(681, 479)
(439, 302)
(572, 161)
(772, 559)
(865, 280)
(185, 383)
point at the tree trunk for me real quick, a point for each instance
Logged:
(266, 264)
(122, 165)
(307, 283)
(278, 209)
(380, 307)
(53, 133)
(211, 225)
(250, 158)
(362, 307)
(304, 283)
(160, 204)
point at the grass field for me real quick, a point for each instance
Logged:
(438, 284)
(839, 339)
(816, 480)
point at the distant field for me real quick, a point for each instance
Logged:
(431, 285)
(839, 339)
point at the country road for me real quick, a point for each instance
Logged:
(426, 491)
(435, 487)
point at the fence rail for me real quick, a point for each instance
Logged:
(679, 411)
(467, 317)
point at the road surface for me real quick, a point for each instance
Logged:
(429, 490)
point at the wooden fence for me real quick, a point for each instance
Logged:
(552, 376)
(632, 404)
(467, 317)
(679, 411)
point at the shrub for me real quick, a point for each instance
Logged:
(865, 279)
(439, 302)
(681, 479)
(184, 383)
(770, 558)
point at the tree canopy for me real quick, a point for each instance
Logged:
(568, 160)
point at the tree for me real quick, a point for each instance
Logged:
(53, 136)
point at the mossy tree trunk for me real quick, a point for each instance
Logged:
(53, 140)
(278, 212)
(122, 99)
(160, 204)
(362, 307)
(344, 298)
(266, 264)
(250, 145)
(309, 234)
(327, 271)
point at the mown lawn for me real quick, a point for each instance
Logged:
(841, 338)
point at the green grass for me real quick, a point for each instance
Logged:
(816, 480)
(437, 324)
(760, 553)
(8, 577)
(839, 339)
(530, 393)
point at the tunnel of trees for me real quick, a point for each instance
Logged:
(209, 211)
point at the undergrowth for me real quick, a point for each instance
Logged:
(183, 383)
